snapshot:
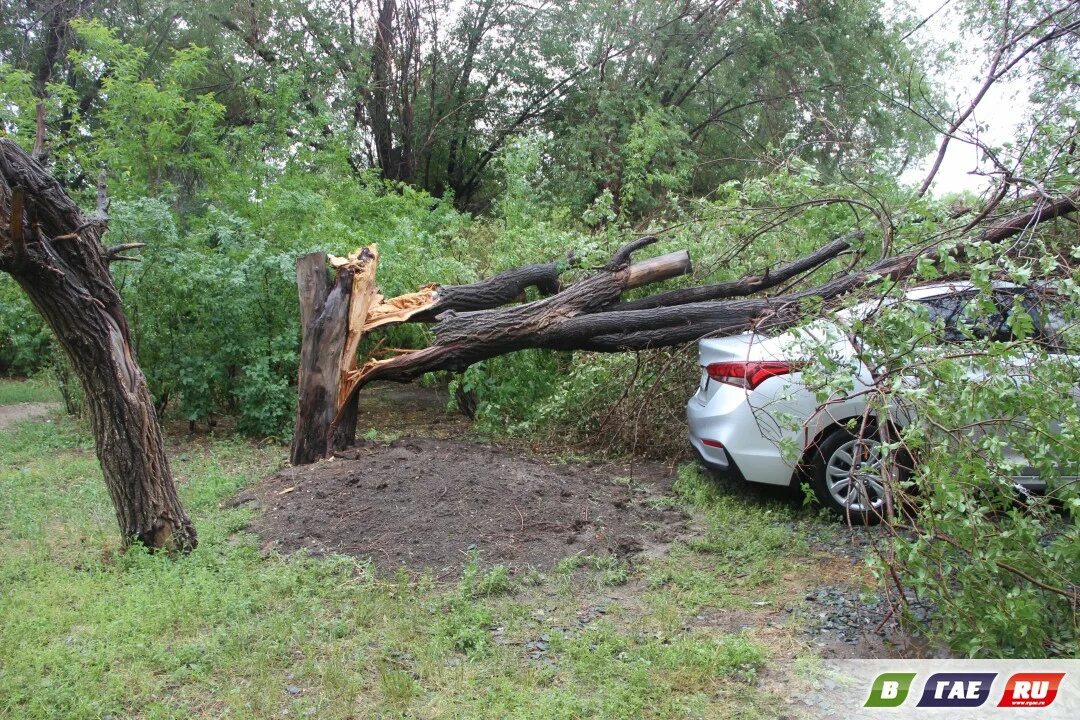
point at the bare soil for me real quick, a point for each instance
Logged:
(430, 503)
(11, 414)
(419, 504)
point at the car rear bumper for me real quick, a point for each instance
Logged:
(742, 444)
(711, 457)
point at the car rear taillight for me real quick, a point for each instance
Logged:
(748, 374)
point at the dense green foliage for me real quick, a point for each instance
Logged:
(226, 203)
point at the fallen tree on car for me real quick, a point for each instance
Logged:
(471, 323)
(54, 251)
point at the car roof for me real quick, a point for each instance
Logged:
(929, 290)
(916, 292)
(923, 292)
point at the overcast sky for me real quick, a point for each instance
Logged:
(1003, 108)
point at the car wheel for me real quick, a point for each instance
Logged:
(847, 476)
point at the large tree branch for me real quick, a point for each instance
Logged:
(592, 324)
(748, 285)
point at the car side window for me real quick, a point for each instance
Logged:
(962, 321)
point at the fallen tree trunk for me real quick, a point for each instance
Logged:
(335, 321)
(589, 315)
(54, 252)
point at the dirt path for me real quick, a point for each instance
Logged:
(11, 414)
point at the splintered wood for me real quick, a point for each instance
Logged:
(369, 309)
(336, 317)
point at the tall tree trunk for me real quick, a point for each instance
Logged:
(54, 253)
(380, 91)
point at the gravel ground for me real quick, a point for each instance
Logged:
(848, 614)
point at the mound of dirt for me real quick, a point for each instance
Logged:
(422, 503)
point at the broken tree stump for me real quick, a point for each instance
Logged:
(332, 320)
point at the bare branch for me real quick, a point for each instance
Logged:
(747, 285)
(39, 140)
(998, 68)
(622, 255)
(112, 254)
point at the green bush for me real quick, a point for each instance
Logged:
(25, 342)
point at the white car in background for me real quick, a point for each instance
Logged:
(751, 399)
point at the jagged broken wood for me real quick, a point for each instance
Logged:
(336, 320)
(336, 317)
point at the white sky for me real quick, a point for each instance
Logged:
(1001, 110)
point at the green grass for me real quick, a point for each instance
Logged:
(88, 631)
(748, 546)
(33, 390)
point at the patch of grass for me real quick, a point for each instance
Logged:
(375, 435)
(37, 389)
(476, 582)
(87, 630)
(663, 502)
(604, 571)
(739, 531)
(749, 547)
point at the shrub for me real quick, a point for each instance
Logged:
(25, 342)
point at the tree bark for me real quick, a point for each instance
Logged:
(54, 252)
(320, 358)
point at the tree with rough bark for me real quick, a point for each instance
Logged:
(54, 252)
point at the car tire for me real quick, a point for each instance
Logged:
(862, 502)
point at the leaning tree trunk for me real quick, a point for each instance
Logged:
(54, 252)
